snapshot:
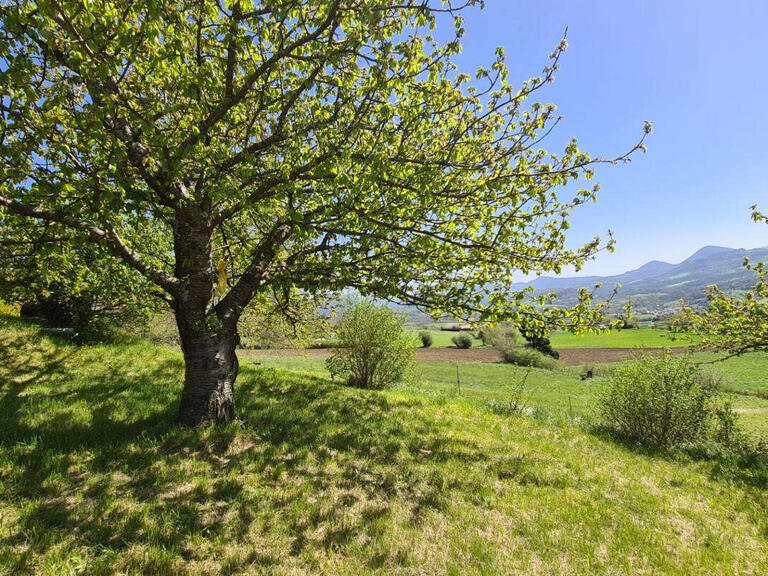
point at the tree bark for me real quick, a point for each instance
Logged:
(211, 367)
(208, 339)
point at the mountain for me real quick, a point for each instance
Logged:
(659, 286)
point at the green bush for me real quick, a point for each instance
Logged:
(662, 401)
(462, 341)
(500, 337)
(426, 339)
(525, 356)
(376, 350)
(538, 340)
(513, 349)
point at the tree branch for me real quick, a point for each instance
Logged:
(106, 236)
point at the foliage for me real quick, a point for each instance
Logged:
(736, 324)
(506, 336)
(288, 320)
(541, 343)
(500, 336)
(525, 356)
(426, 339)
(628, 323)
(68, 284)
(9, 309)
(660, 401)
(232, 150)
(375, 351)
(677, 322)
(627, 320)
(462, 341)
(513, 348)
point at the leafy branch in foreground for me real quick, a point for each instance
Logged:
(736, 324)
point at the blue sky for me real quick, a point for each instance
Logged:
(697, 70)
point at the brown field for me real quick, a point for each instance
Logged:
(568, 356)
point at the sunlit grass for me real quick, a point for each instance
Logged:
(320, 479)
(633, 338)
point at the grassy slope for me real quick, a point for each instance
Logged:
(558, 395)
(95, 478)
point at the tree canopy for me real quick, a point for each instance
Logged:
(69, 283)
(220, 149)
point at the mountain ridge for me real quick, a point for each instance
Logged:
(658, 286)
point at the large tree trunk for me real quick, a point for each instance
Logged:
(210, 371)
(207, 340)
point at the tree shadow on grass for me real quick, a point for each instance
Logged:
(91, 458)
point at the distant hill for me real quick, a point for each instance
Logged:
(659, 286)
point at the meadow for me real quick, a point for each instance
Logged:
(555, 395)
(426, 478)
(442, 338)
(634, 338)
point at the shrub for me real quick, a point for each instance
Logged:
(524, 356)
(541, 343)
(500, 337)
(513, 350)
(462, 341)
(660, 402)
(426, 339)
(376, 349)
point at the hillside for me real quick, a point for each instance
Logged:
(320, 479)
(659, 286)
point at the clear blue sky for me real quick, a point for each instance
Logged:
(697, 70)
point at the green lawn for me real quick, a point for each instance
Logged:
(747, 374)
(320, 479)
(634, 338)
(442, 338)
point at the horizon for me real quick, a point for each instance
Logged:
(674, 65)
(530, 278)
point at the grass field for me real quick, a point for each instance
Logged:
(322, 479)
(442, 338)
(559, 395)
(635, 338)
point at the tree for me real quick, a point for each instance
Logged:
(223, 149)
(735, 324)
(69, 284)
